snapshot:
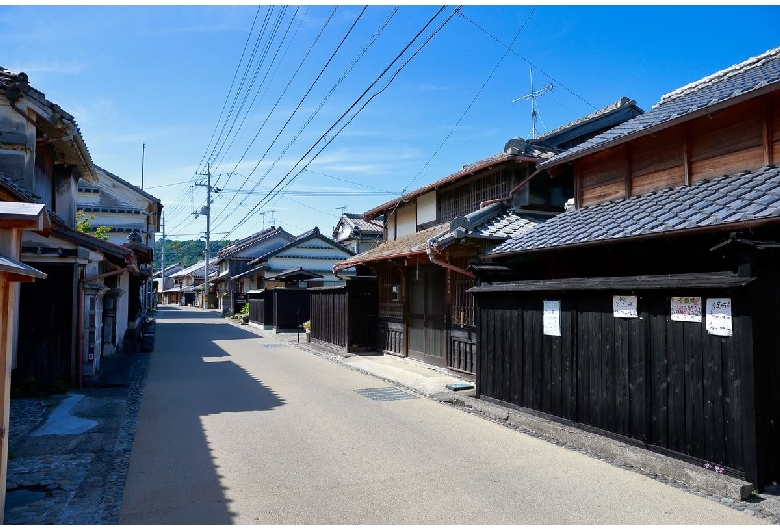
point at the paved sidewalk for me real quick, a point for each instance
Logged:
(73, 471)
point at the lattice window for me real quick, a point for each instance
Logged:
(462, 309)
(390, 295)
(466, 198)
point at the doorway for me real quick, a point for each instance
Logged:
(427, 316)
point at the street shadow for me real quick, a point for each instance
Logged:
(173, 477)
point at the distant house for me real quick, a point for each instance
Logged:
(163, 281)
(133, 217)
(188, 284)
(276, 281)
(233, 261)
(357, 234)
(433, 234)
(652, 307)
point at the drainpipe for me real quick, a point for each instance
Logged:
(429, 251)
(514, 190)
(82, 282)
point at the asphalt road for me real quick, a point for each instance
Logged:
(240, 429)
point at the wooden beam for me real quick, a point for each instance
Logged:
(577, 185)
(767, 130)
(627, 161)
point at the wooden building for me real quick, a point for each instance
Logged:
(15, 217)
(233, 261)
(62, 326)
(432, 234)
(649, 310)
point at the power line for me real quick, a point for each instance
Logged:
(381, 90)
(284, 91)
(509, 48)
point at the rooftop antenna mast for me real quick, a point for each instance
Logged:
(532, 96)
(342, 208)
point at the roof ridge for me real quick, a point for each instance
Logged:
(721, 75)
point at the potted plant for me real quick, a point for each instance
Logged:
(307, 329)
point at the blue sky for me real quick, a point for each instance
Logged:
(227, 88)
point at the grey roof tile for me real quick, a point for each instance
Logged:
(747, 76)
(618, 219)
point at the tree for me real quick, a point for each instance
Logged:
(82, 225)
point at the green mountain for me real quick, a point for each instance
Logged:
(185, 252)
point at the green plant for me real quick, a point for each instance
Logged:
(307, 325)
(245, 309)
(82, 225)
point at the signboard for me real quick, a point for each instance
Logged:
(624, 306)
(718, 320)
(686, 308)
(239, 299)
(551, 318)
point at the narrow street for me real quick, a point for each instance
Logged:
(237, 427)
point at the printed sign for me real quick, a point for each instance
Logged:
(624, 306)
(551, 318)
(686, 308)
(718, 320)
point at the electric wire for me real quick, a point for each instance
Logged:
(284, 91)
(557, 83)
(381, 90)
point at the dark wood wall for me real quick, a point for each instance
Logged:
(290, 307)
(663, 383)
(346, 316)
(46, 340)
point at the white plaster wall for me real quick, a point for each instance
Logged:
(407, 220)
(426, 208)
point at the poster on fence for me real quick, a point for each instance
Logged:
(551, 318)
(624, 306)
(718, 320)
(686, 308)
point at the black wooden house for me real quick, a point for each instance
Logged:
(649, 310)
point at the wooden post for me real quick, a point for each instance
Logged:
(742, 308)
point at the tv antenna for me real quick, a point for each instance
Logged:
(342, 208)
(532, 96)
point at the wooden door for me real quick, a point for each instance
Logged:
(427, 330)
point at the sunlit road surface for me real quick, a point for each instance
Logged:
(236, 428)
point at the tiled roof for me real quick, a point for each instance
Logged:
(255, 238)
(467, 170)
(412, 244)
(684, 103)
(730, 200)
(18, 82)
(314, 233)
(196, 270)
(495, 221)
(358, 226)
(131, 186)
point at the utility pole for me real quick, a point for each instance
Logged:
(206, 210)
(143, 152)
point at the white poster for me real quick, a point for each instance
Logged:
(719, 316)
(551, 318)
(686, 308)
(624, 306)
